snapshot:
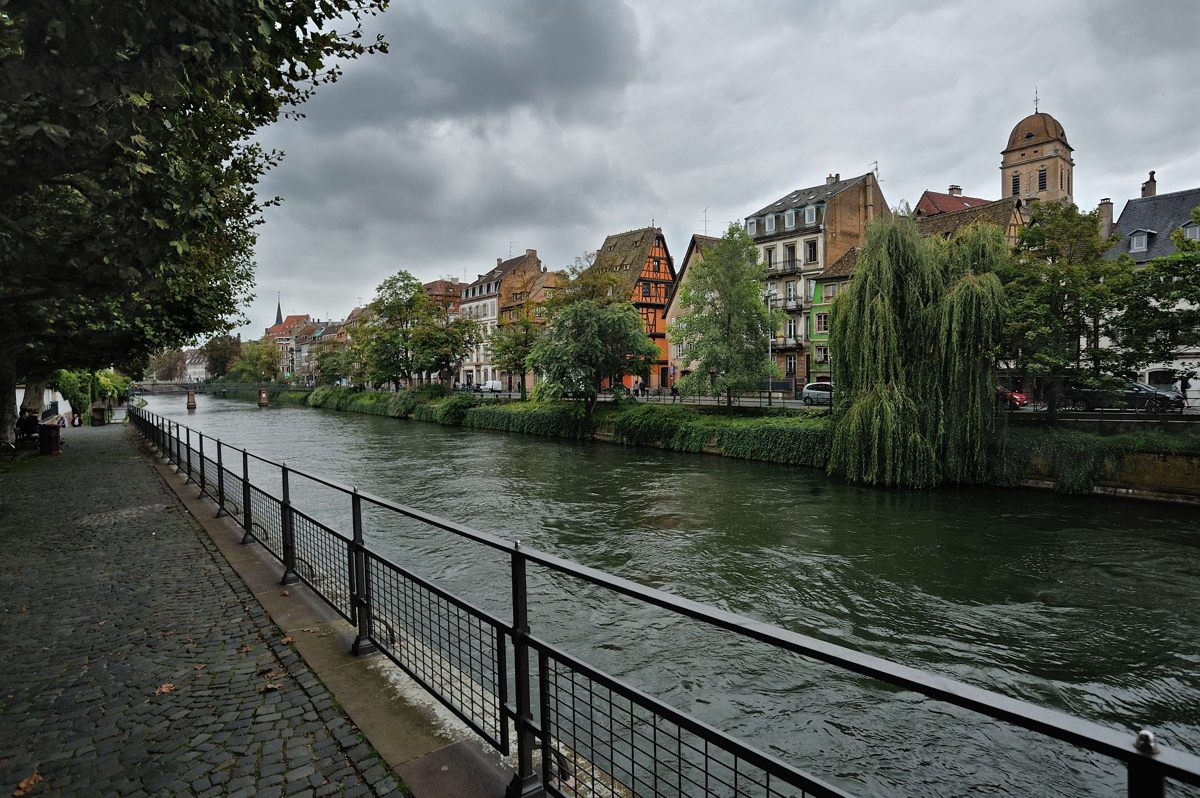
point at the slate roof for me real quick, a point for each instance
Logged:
(807, 196)
(933, 203)
(1164, 214)
(998, 213)
(494, 276)
(624, 254)
(843, 266)
(1036, 129)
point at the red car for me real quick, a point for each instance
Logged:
(1015, 399)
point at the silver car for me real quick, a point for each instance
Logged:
(817, 393)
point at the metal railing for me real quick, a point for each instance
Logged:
(596, 734)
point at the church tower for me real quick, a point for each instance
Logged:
(1037, 163)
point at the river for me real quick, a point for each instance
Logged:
(1084, 604)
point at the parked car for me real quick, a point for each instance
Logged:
(489, 386)
(817, 393)
(1132, 396)
(1014, 399)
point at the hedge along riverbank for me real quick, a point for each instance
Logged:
(1076, 462)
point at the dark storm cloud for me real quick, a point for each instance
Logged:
(493, 127)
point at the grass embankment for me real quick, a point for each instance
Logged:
(793, 436)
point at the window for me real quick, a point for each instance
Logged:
(791, 364)
(1060, 179)
(771, 223)
(1137, 242)
(1042, 179)
(791, 328)
(810, 214)
(791, 291)
(830, 291)
(1192, 232)
(751, 225)
(678, 351)
(645, 289)
(810, 251)
(822, 322)
(769, 256)
(822, 354)
(789, 219)
(655, 265)
(789, 254)
(1016, 184)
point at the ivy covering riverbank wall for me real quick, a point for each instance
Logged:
(1072, 461)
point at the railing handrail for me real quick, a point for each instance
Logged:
(1166, 762)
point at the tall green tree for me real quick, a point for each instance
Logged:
(1161, 312)
(220, 351)
(127, 168)
(170, 364)
(511, 344)
(589, 341)
(258, 362)
(1061, 294)
(441, 342)
(912, 339)
(725, 323)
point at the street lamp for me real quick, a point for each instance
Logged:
(769, 298)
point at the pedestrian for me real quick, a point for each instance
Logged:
(1184, 384)
(674, 394)
(76, 419)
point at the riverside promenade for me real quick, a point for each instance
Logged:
(135, 660)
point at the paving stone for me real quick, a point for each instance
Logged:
(126, 594)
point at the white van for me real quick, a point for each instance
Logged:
(490, 386)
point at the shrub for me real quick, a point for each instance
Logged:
(549, 419)
(452, 410)
(796, 441)
(674, 427)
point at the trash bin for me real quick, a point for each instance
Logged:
(99, 414)
(48, 436)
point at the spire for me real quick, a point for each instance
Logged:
(278, 310)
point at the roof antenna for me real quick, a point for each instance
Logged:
(706, 221)
(510, 243)
(1035, 98)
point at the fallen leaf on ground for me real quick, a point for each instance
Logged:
(264, 671)
(287, 641)
(27, 784)
(101, 623)
(164, 688)
(23, 610)
(245, 649)
(268, 688)
(284, 593)
(200, 667)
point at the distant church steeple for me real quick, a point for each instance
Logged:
(278, 310)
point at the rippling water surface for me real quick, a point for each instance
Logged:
(1087, 605)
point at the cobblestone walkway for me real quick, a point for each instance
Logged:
(134, 661)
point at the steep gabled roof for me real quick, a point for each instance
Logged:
(998, 213)
(843, 266)
(1163, 214)
(288, 325)
(807, 196)
(699, 244)
(502, 268)
(933, 203)
(624, 254)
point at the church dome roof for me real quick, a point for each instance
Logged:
(1036, 129)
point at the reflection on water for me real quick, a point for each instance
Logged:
(1087, 605)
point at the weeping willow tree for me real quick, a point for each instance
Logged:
(913, 340)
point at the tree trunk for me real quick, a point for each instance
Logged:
(34, 393)
(8, 398)
(521, 378)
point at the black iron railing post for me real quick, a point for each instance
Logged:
(178, 450)
(1145, 780)
(247, 519)
(360, 588)
(290, 577)
(525, 782)
(220, 481)
(187, 455)
(203, 475)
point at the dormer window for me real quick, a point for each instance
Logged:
(789, 219)
(751, 226)
(810, 214)
(771, 223)
(1137, 242)
(1192, 231)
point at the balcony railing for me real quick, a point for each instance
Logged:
(782, 267)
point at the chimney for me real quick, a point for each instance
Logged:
(1106, 220)
(1150, 186)
(531, 253)
(955, 191)
(499, 261)
(830, 179)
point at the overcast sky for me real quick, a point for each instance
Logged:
(500, 125)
